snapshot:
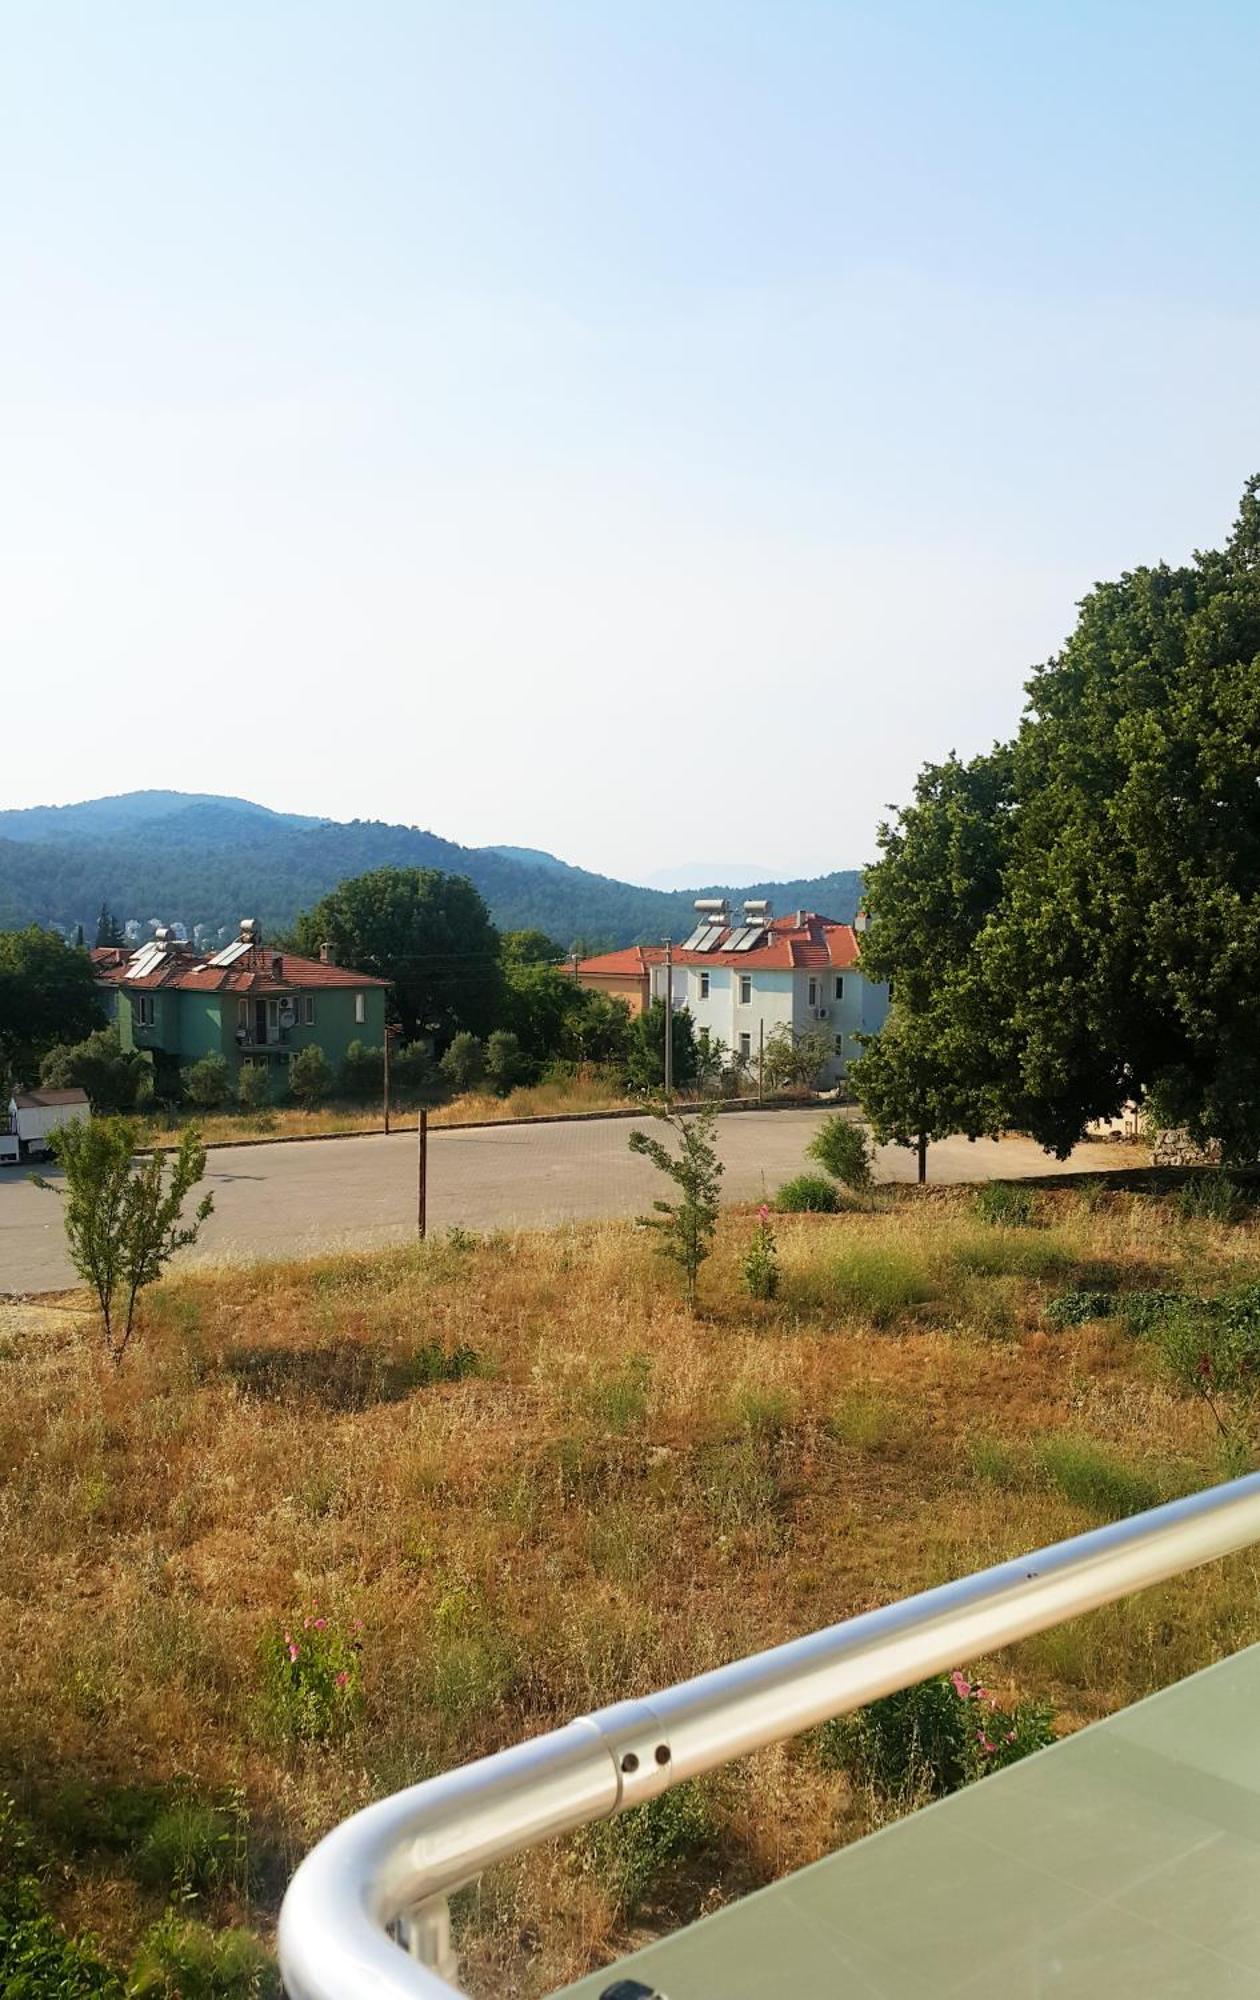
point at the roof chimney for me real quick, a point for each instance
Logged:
(325, 953)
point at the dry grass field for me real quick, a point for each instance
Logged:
(516, 1480)
(290, 1121)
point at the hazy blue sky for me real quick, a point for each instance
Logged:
(644, 430)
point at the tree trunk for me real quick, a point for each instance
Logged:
(923, 1145)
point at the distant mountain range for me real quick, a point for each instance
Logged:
(198, 859)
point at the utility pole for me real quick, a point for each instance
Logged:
(422, 1165)
(669, 1020)
(761, 1061)
(388, 1038)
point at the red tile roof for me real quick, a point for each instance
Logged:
(258, 970)
(803, 941)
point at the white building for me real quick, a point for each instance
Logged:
(742, 977)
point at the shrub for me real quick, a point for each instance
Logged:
(999, 1202)
(1211, 1197)
(38, 1961)
(181, 1959)
(807, 1194)
(253, 1086)
(411, 1067)
(1144, 1310)
(312, 1680)
(637, 1851)
(506, 1065)
(1091, 1476)
(363, 1072)
(115, 1079)
(844, 1150)
(310, 1076)
(1210, 1344)
(932, 1739)
(1076, 1308)
(208, 1082)
(761, 1270)
(464, 1063)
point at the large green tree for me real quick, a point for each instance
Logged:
(428, 933)
(47, 996)
(1074, 920)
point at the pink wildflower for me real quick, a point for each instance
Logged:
(293, 1650)
(320, 1624)
(961, 1686)
(306, 1624)
(763, 1213)
(985, 1744)
(342, 1678)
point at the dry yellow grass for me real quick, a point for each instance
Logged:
(619, 1497)
(289, 1121)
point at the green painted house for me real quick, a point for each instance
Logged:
(248, 1003)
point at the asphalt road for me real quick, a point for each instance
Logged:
(295, 1200)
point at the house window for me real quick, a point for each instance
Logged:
(813, 992)
(144, 1010)
(310, 1010)
(839, 1045)
(745, 989)
(704, 985)
(745, 1047)
(360, 1008)
(839, 987)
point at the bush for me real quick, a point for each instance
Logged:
(115, 1079)
(38, 1961)
(208, 1082)
(1209, 1344)
(411, 1067)
(363, 1072)
(932, 1739)
(181, 1959)
(253, 1086)
(1211, 1197)
(1076, 1308)
(844, 1150)
(635, 1851)
(310, 1076)
(506, 1066)
(191, 1846)
(464, 1063)
(1144, 1310)
(312, 1681)
(1000, 1203)
(807, 1194)
(761, 1270)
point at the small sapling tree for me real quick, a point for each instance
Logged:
(687, 1225)
(845, 1151)
(464, 1064)
(253, 1086)
(208, 1081)
(123, 1215)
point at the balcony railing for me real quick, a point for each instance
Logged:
(385, 1874)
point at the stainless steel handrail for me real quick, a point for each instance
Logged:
(394, 1863)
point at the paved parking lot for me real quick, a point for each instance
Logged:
(293, 1200)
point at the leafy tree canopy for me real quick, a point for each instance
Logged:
(47, 996)
(429, 934)
(1074, 919)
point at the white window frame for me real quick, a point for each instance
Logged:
(839, 1045)
(839, 987)
(146, 1010)
(704, 985)
(813, 992)
(745, 989)
(360, 1009)
(745, 1046)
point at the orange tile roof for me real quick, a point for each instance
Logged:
(259, 970)
(801, 942)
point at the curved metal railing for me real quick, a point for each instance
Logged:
(390, 1867)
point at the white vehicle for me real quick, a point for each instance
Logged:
(32, 1115)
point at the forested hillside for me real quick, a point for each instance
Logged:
(204, 860)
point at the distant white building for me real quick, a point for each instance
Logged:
(743, 977)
